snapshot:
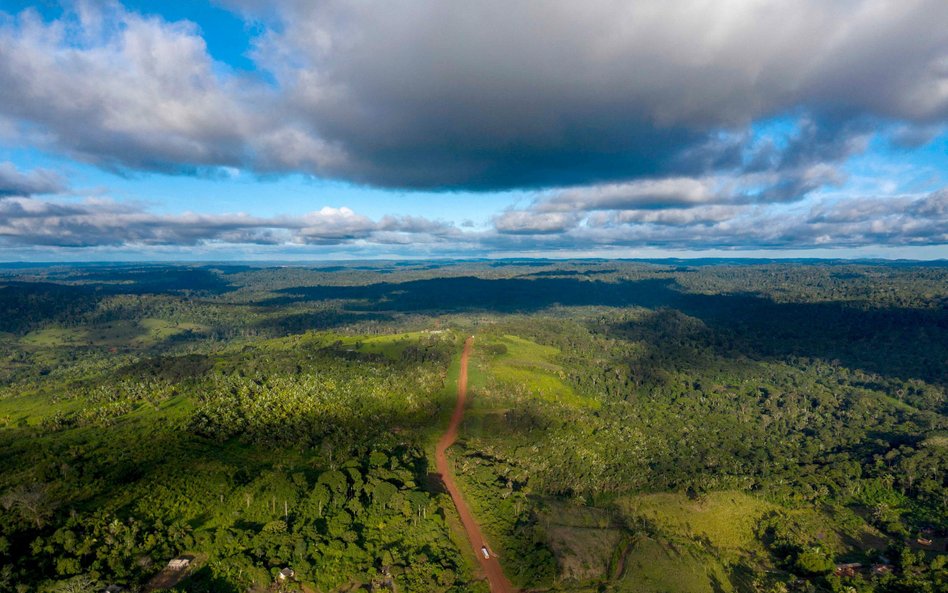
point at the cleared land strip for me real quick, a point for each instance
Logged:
(495, 574)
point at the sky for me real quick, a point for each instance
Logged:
(323, 129)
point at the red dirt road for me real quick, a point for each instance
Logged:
(495, 574)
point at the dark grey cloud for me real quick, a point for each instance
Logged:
(14, 182)
(492, 94)
(555, 93)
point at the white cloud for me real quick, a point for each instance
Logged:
(534, 223)
(122, 90)
(842, 222)
(14, 182)
(839, 222)
(92, 222)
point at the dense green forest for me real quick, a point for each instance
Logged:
(670, 426)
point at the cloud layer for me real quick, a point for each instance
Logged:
(848, 222)
(98, 222)
(125, 91)
(14, 182)
(420, 94)
(648, 124)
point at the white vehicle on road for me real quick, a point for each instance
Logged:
(485, 552)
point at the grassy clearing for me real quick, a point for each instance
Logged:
(54, 337)
(30, 409)
(725, 525)
(583, 553)
(527, 368)
(391, 346)
(654, 566)
(147, 332)
(727, 520)
(585, 541)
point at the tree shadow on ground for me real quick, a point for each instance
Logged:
(28, 304)
(900, 343)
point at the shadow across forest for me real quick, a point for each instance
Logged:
(901, 343)
(28, 304)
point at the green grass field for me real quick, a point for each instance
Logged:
(653, 566)
(586, 541)
(727, 520)
(526, 368)
(147, 332)
(721, 529)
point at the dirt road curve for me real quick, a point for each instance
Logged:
(495, 574)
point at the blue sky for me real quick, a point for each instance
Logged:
(287, 130)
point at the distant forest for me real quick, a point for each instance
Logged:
(634, 426)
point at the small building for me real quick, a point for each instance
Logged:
(286, 574)
(847, 570)
(881, 569)
(172, 573)
(924, 541)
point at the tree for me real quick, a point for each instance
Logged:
(813, 561)
(31, 501)
(79, 584)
